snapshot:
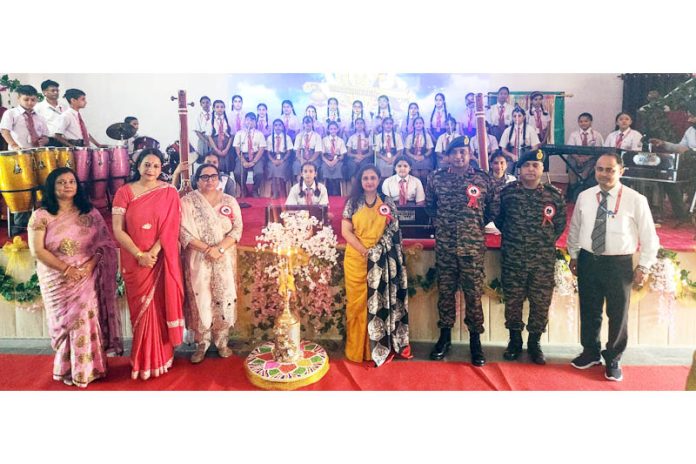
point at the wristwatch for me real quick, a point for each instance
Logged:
(221, 250)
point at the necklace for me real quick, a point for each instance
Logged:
(373, 203)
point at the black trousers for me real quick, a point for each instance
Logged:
(604, 279)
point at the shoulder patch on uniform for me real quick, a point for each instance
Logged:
(553, 188)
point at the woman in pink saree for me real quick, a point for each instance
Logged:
(146, 217)
(76, 266)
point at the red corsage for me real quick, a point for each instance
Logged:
(386, 212)
(227, 212)
(474, 193)
(549, 213)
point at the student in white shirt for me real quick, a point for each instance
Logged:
(519, 137)
(289, 117)
(332, 159)
(51, 110)
(609, 222)
(468, 120)
(419, 147)
(538, 117)
(491, 147)
(498, 164)
(249, 145)
(203, 126)
(357, 112)
(308, 191)
(402, 187)
(624, 137)
(280, 153)
(236, 115)
(262, 123)
(135, 124)
(586, 136)
(22, 127)
(438, 117)
(443, 142)
(387, 146)
(317, 125)
(383, 111)
(359, 151)
(411, 115)
(308, 147)
(73, 130)
(500, 114)
(333, 114)
(220, 139)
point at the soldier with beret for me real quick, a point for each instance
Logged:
(461, 200)
(532, 217)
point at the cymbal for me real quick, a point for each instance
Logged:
(120, 131)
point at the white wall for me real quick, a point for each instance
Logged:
(111, 97)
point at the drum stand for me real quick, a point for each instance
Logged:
(10, 215)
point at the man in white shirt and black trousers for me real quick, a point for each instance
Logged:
(609, 222)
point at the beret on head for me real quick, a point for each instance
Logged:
(457, 142)
(531, 155)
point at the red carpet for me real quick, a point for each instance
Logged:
(33, 372)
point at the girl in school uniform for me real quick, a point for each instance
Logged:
(492, 147)
(359, 150)
(308, 191)
(538, 117)
(250, 145)
(499, 116)
(333, 114)
(411, 115)
(402, 187)
(383, 111)
(519, 136)
(356, 112)
(468, 122)
(220, 138)
(308, 147)
(311, 111)
(279, 148)
(289, 117)
(237, 115)
(438, 117)
(419, 147)
(624, 137)
(444, 141)
(387, 146)
(262, 120)
(332, 159)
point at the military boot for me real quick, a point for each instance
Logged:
(514, 347)
(443, 344)
(477, 357)
(534, 349)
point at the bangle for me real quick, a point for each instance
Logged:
(139, 254)
(67, 268)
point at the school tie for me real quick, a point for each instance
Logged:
(584, 139)
(416, 144)
(438, 121)
(308, 196)
(388, 144)
(517, 141)
(333, 147)
(537, 118)
(501, 116)
(619, 140)
(469, 124)
(239, 122)
(221, 133)
(277, 149)
(33, 135)
(83, 129)
(402, 192)
(250, 145)
(359, 142)
(599, 232)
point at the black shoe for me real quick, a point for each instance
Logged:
(514, 347)
(534, 349)
(585, 360)
(443, 344)
(477, 357)
(613, 371)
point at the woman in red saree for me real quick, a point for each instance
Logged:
(146, 216)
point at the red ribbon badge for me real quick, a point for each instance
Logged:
(474, 193)
(226, 211)
(386, 212)
(549, 213)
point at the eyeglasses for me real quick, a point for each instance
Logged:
(207, 177)
(66, 182)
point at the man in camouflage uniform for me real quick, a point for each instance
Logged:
(532, 217)
(461, 200)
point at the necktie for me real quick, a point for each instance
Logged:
(599, 232)
(239, 122)
(83, 129)
(416, 143)
(250, 145)
(471, 117)
(402, 192)
(221, 133)
(359, 142)
(619, 140)
(501, 116)
(438, 121)
(517, 141)
(308, 196)
(306, 144)
(32, 129)
(333, 147)
(584, 139)
(277, 149)
(537, 117)
(388, 144)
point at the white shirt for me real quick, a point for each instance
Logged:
(241, 140)
(365, 141)
(204, 125)
(70, 126)
(632, 225)
(545, 119)
(443, 119)
(492, 144)
(294, 197)
(469, 114)
(291, 122)
(427, 144)
(594, 138)
(399, 145)
(493, 116)
(530, 137)
(414, 188)
(689, 140)
(443, 142)
(51, 114)
(14, 121)
(271, 144)
(236, 120)
(308, 141)
(631, 140)
(339, 144)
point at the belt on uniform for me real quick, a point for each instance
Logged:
(595, 257)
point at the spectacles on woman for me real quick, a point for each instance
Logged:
(207, 177)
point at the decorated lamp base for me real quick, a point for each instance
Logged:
(265, 372)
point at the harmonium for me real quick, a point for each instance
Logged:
(658, 167)
(414, 222)
(321, 212)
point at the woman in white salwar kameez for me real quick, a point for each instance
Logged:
(211, 226)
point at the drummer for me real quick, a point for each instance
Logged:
(22, 127)
(73, 130)
(134, 123)
(51, 110)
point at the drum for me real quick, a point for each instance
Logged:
(46, 161)
(18, 179)
(83, 163)
(119, 168)
(100, 176)
(65, 157)
(142, 143)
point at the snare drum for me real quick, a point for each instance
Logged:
(100, 176)
(142, 143)
(18, 179)
(83, 163)
(65, 157)
(119, 169)
(46, 162)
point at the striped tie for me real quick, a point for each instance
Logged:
(599, 232)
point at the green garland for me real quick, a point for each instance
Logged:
(426, 282)
(12, 84)
(22, 292)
